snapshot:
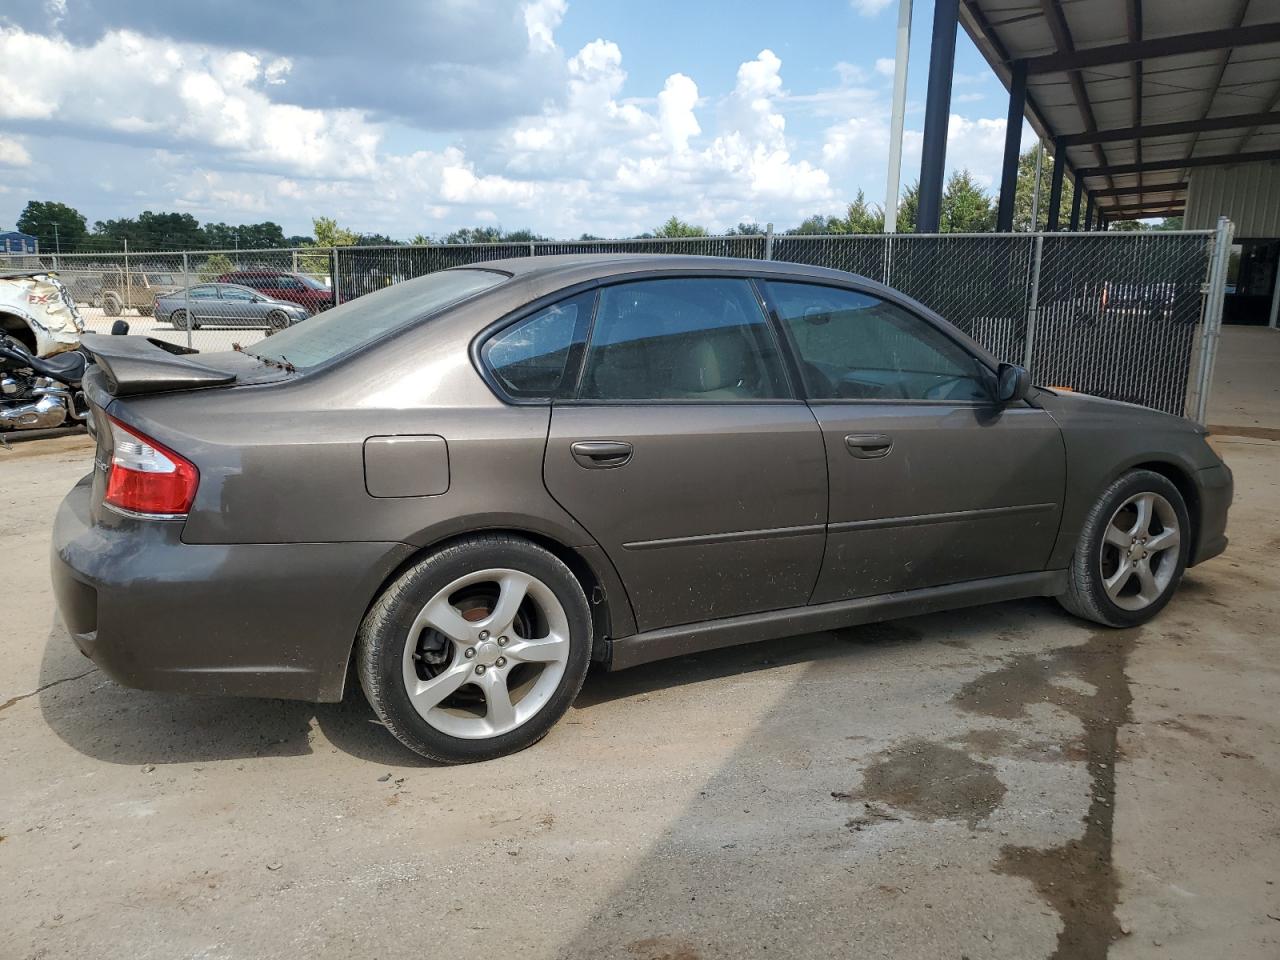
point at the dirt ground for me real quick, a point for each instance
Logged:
(1002, 782)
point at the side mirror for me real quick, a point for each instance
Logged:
(1013, 383)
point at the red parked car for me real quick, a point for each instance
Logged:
(295, 287)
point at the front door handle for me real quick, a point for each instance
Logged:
(868, 446)
(599, 454)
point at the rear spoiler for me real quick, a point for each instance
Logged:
(135, 365)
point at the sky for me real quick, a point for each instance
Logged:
(407, 117)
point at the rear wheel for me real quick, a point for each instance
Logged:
(179, 319)
(111, 305)
(476, 651)
(1132, 552)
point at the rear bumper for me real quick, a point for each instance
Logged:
(263, 620)
(1216, 487)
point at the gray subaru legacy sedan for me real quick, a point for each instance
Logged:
(471, 485)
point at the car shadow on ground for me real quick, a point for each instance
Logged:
(116, 724)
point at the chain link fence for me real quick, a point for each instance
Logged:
(1119, 315)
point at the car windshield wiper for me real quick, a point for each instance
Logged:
(281, 364)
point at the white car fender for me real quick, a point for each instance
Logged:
(43, 303)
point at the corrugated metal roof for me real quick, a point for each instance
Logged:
(1249, 194)
(1162, 86)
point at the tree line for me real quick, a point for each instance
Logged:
(966, 208)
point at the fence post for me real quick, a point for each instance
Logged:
(1213, 312)
(295, 261)
(333, 274)
(768, 241)
(532, 251)
(186, 294)
(1033, 305)
(128, 277)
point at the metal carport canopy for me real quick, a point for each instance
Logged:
(1138, 93)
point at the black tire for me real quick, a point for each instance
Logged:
(111, 305)
(179, 319)
(1086, 597)
(380, 645)
(277, 320)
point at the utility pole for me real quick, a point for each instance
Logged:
(898, 118)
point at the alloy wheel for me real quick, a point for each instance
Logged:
(1139, 554)
(486, 653)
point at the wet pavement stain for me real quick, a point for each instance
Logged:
(887, 633)
(931, 782)
(1078, 879)
(661, 948)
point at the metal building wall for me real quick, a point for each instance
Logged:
(1248, 193)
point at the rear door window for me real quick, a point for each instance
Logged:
(682, 339)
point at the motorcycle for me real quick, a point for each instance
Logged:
(40, 392)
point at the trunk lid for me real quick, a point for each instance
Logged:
(132, 366)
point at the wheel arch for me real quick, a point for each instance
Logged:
(611, 614)
(1182, 480)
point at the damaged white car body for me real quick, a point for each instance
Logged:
(36, 309)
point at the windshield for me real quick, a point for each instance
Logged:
(350, 326)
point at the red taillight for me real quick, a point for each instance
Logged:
(147, 477)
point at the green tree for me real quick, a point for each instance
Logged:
(1129, 226)
(909, 208)
(675, 227)
(329, 234)
(214, 267)
(1170, 223)
(39, 218)
(814, 225)
(862, 217)
(747, 228)
(966, 208)
(420, 240)
(1024, 195)
(475, 235)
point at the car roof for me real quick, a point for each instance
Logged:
(590, 266)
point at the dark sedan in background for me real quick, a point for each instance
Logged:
(472, 484)
(226, 305)
(297, 288)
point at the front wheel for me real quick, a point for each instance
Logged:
(1132, 552)
(277, 320)
(476, 651)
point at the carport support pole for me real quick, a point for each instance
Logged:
(1055, 185)
(1213, 312)
(1088, 213)
(1075, 204)
(937, 114)
(1012, 141)
(186, 293)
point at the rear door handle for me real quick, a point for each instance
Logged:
(599, 454)
(868, 446)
